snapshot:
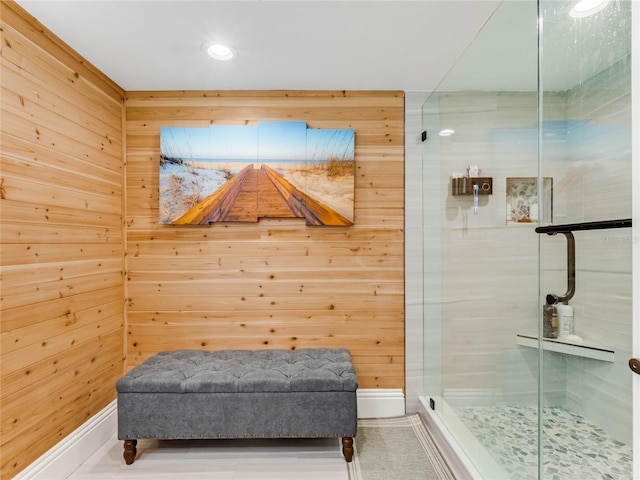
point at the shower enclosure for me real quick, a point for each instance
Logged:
(528, 150)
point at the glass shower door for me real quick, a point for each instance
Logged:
(539, 109)
(585, 147)
(480, 248)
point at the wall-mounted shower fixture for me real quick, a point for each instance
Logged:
(465, 185)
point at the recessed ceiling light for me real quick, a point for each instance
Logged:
(584, 8)
(220, 51)
(447, 132)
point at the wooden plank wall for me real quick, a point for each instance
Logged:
(277, 283)
(62, 254)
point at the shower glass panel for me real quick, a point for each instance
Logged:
(532, 127)
(585, 137)
(481, 252)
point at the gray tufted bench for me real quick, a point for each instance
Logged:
(189, 394)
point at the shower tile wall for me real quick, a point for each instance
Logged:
(489, 285)
(597, 186)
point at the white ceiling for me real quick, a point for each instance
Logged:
(296, 44)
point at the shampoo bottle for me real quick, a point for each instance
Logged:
(565, 320)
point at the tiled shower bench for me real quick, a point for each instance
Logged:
(188, 394)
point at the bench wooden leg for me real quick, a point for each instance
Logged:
(130, 451)
(347, 448)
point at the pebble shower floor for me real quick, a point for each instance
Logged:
(572, 447)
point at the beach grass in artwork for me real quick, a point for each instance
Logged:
(244, 173)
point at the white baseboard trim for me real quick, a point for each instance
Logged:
(380, 402)
(71, 452)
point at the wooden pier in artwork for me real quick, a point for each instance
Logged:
(260, 193)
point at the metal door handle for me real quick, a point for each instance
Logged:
(634, 365)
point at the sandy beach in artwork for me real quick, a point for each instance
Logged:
(182, 186)
(336, 192)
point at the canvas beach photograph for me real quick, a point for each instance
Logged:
(275, 169)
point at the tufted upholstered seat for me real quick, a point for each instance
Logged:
(227, 371)
(237, 394)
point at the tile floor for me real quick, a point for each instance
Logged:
(573, 448)
(286, 459)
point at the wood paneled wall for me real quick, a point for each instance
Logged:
(61, 190)
(277, 283)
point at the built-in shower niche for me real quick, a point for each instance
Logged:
(523, 202)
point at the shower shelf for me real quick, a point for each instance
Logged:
(561, 346)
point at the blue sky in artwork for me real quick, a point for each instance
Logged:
(269, 140)
(282, 141)
(176, 142)
(232, 142)
(325, 144)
